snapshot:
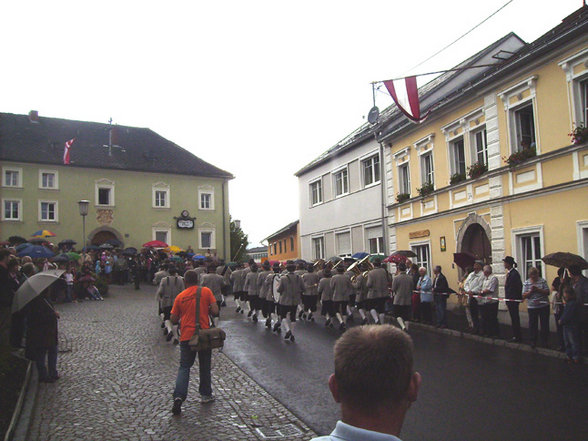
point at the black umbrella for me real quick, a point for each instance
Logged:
(405, 253)
(91, 247)
(115, 243)
(15, 240)
(62, 258)
(130, 251)
(66, 242)
(566, 260)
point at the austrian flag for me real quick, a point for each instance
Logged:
(405, 94)
(68, 144)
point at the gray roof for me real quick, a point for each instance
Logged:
(451, 86)
(142, 149)
(288, 227)
(257, 250)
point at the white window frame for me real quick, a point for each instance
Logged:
(516, 235)
(339, 252)
(516, 128)
(209, 193)
(56, 211)
(104, 183)
(424, 175)
(401, 188)
(579, 114)
(481, 129)
(510, 109)
(416, 260)
(10, 219)
(212, 238)
(453, 169)
(379, 241)
(320, 200)
(316, 255)
(12, 169)
(160, 186)
(372, 161)
(160, 229)
(344, 183)
(582, 226)
(55, 174)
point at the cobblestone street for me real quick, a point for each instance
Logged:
(117, 377)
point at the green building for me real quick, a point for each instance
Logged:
(141, 187)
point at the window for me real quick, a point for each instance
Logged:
(343, 241)
(375, 240)
(584, 101)
(423, 257)
(530, 247)
(11, 210)
(457, 153)
(161, 236)
(48, 211)
(280, 247)
(206, 200)
(207, 240)
(12, 177)
(105, 192)
(341, 183)
(275, 246)
(371, 170)
(524, 128)
(160, 195)
(104, 196)
(427, 171)
(318, 248)
(160, 198)
(48, 179)
(480, 147)
(292, 244)
(404, 178)
(316, 192)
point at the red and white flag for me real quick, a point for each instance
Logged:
(66, 151)
(405, 94)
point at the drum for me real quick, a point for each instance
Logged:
(275, 286)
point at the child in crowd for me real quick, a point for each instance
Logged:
(69, 285)
(570, 320)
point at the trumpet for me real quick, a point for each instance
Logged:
(357, 267)
(319, 264)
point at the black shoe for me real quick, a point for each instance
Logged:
(349, 318)
(277, 327)
(300, 314)
(255, 318)
(176, 341)
(249, 313)
(342, 327)
(162, 325)
(238, 309)
(292, 339)
(177, 408)
(170, 335)
(310, 317)
(364, 321)
(288, 335)
(223, 304)
(327, 323)
(268, 323)
(164, 332)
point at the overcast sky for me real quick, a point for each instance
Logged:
(258, 88)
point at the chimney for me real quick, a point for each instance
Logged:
(34, 116)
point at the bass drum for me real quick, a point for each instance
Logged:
(275, 286)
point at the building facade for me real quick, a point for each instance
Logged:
(284, 244)
(258, 254)
(141, 187)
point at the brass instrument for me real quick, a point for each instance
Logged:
(319, 264)
(356, 268)
(335, 266)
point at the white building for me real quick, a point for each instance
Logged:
(341, 200)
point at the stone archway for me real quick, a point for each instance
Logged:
(102, 234)
(475, 237)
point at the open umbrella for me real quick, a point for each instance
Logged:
(87, 278)
(15, 240)
(106, 246)
(91, 247)
(376, 256)
(22, 246)
(61, 258)
(130, 251)
(33, 287)
(174, 249)
(406, 253)
(36, 252)
(563, 259)
(43, 233)
(464, 260)
(38, 240)
(175, 258)
(360, 255)
(155, 244)
(395, 258)
(73, 256)
(334, 259)
(115, 243)
(66, 242)
(198, 257)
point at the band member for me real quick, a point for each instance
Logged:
(215, 282)
(269, 303)
(342, 289)
(402, 287)
(262, 288)
(225, 271)
(200, 270)
(310, 295)
(300, 271)
(377, 284)
(360, 285)
(326, 293)
(290, 289)
(252, 292)
(238, 280)
(168, 289)
(352, 298)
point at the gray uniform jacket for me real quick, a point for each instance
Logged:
(251, 284)
(360, 286)
(215, 283)
(238, 280)
(262, 285)
(402, 286)
(269, 282)
(324, 289)
(311, 281)
(377, 283)
(168, 289)
(158, 276)
(341, 287)
(200, 271)
(290, 289)
(300, 272)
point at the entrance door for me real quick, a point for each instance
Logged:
(102, 236)
(476, 242)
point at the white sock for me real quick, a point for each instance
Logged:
(349, 311)
(362, 314)
(339, 317)
(238, 302)
(215, 321)
(285, 325)
(292, 326)
(299, 308)
(382, 316)
(168, 326)
(248, 306)
(401, 323)
(161, 316)
(222, 298)
(375, 316)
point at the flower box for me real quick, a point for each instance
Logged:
(401, 197)
(521, 156)
(426, 189)
(476, 170)
(456, 178)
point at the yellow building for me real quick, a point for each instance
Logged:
(493, 171)
(284, 244)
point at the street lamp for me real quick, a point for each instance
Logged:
(83, 206)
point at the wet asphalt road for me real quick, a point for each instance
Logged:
(470, 390)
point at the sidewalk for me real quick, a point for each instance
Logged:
(118, 375)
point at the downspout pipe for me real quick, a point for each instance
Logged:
(383, 197)
(225, 252)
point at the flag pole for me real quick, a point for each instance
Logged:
(456, 69)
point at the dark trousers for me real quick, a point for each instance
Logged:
(537, 315)
(187, 358)
(416, 307)
(48, 370)
(560, 331)
(515, 319)
(441, 309)
(427, 312)
(489, 313)
(402, 311)
(475, 313)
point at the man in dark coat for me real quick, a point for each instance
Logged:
(513, 290)
(441, 293)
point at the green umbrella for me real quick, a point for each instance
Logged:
(176, 258)
(73, 256)
(376, 256)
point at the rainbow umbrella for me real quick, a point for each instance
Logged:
(43, 233)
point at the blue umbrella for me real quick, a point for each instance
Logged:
(22, 246)
(360, 255)
(198, 257)
(36, 252)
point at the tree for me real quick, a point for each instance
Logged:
(239, 242)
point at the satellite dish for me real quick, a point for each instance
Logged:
(373, 115)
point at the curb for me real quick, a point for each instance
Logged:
(13, 432)
(494, 341)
